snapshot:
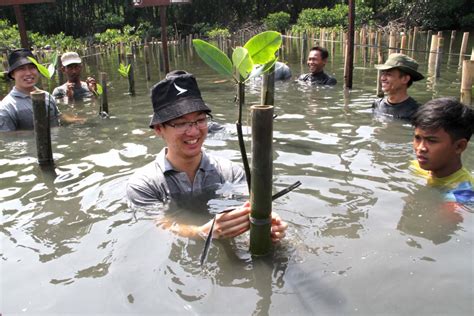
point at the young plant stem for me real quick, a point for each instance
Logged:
(243, 152)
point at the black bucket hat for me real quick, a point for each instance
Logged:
(18, 58)
(176, 95)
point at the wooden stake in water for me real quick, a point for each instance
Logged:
(403, 43)
(104, 102)
(304, 48)
(268, 87)
(349, 58)
(42, 128)
(465, 38)
(392, 43)
(262, 173)
(466, 82)
(439, 54)
(146, 52)
(131, 75)
(433, 50)
(379, 85)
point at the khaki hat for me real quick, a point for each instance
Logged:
(70, 58)
(404, 63)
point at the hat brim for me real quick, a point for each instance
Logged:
(181, 107)
(20, 62)
(72, 61)
(415, 75)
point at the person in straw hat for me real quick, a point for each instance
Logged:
(397, 74)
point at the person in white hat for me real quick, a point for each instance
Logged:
(74, 88)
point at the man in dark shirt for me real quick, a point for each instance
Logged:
(317, 59)
(398, 74)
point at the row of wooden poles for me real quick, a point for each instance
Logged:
(366, 39)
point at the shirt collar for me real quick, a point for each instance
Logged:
(17, 93)
(166, 166)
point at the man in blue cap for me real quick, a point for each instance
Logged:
(16, 109)
(183, 167)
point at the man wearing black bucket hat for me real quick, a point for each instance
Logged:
(398, 74)
(183, 168)
(16, 109)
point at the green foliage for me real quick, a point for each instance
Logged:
(311, 19)
(56, 41)
(100, 89)
(201, 28)
(128, 34)
(279, 21)
(124, 70)
(257, 53)
(9, 35)
(218, 32)
(467, 22)
(110, 21)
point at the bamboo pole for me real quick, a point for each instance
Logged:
(439, 54)
(433, 50)
(262, 169)
(104, 101)
(465, 38)
(413, 45)
(349, 58)
(392, 43)
(304, 48)
(146, 53)
(131, 75)
(403, 43)
(41, 117)
(380, 93)
(268, 87)
(379, 48)
(466, 82)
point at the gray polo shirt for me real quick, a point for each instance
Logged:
(16, 111)
(80, 91)
(159, 181)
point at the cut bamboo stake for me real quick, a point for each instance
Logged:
(439, 54)
(380, 93)
(466, 82)
(131, 75)
(392, 43)
(42, 127)
(261, 187)
(304, 48)
(146, 53)
(268, 87)
(432, 54)
(379, 48)
(403, 43)
(465, 38)
(104, 102)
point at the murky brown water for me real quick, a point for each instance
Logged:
(365, 236)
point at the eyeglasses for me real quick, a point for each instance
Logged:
(183, 127)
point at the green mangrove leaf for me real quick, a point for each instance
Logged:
(242, 61)
(260, 69)
(100, 89)
(262, 47)
(42, 69)
(213, 57)
(51, 70)
(54, 59)
(2, 75)
(124, 70)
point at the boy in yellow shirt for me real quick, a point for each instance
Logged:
(443, 128)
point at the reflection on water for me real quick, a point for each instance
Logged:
(365, 235)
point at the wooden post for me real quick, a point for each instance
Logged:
(379, 48)
(304, 48)
(146, 53)
(466, 82)
(42, 128)
(268, 87)
(433, 49)
(465, 38)
(21, 26)
(392, 43)
(261, 187)
(131, 75)
(105, 102)
(164, 39)
(380, 93)
(403, 43)
(439, 55)
(349, 60)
